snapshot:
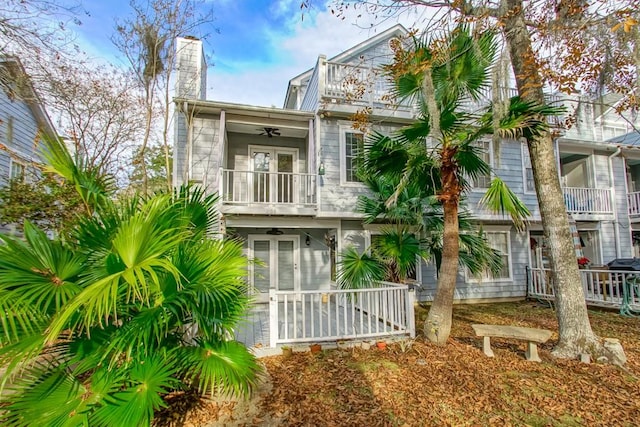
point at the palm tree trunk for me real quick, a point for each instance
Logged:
(437, 327)
(576, 335)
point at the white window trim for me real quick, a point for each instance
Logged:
(343, 129)
(12, 162)
(491, 163)
(524, 150)
(469, 278)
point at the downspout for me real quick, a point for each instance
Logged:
(616, 230)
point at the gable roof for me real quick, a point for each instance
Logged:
(14, 73)
(397, 30)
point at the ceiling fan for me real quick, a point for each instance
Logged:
(270, 132)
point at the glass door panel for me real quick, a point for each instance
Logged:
(285, 177)
(260, 176)
(286, 265)
(262, 271)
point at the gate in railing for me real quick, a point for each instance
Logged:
(340, 314)
(605, 288)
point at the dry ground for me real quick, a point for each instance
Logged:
(418, 384)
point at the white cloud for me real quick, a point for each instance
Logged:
(300, 44)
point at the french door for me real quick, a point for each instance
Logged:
(277, 267)
(273, 174)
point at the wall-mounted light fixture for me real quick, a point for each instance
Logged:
(321, 169)
(307, 241)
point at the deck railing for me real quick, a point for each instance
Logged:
(267, 188)
(634, 203)
(606, 288)
(386, 309)
(359, 85)
(588, 200)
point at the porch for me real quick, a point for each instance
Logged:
(291, 317)
(602, 288)
(258, 192)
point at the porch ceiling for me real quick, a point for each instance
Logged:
(256, 127)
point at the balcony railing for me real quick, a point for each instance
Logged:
(383, 310)
(634, 204)
(605, 288)
(275, 189)
(588, 200)
(359, 85)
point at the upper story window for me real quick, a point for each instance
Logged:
(17, 171)
(353, 145)
(527, 171)
(483, 181)
(609, 132)
(499, 241)
(9, 131)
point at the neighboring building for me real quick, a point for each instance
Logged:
(287, 185)
(23, 121)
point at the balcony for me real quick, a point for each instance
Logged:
(336, 84)
(588, 203)
(633, 200)
(268, 193)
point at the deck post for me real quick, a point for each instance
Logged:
(411, 320)
(273, 318)
(322, 77)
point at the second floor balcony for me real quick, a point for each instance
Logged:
(267, 193)
(588, 203)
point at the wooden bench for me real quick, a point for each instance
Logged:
(531, 335)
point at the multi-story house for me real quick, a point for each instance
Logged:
(23, 121)
(287, 188)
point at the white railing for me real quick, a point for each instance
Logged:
(359, 85)
(588, 200)
(634, 203)
(619, 289)
(341, 314)
(269, 188)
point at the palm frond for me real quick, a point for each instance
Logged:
(148, 380)
(500, 198)
(225, 367)
(358, 270)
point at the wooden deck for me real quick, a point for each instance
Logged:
(330, 315)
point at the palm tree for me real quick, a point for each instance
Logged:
(97, 328)
(412, 230)
(439, 149)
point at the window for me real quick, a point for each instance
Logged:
(483, 181)
(499, 241)
(353, 144)
(527, 170)
(16, 171)
(9, 131)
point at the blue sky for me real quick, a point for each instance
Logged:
(260, 45)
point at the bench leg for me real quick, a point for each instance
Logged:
(532, 352)
(486, 346)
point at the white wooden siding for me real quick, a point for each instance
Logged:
(25, 131)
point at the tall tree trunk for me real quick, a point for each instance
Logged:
(575, 332)
(437, 327)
